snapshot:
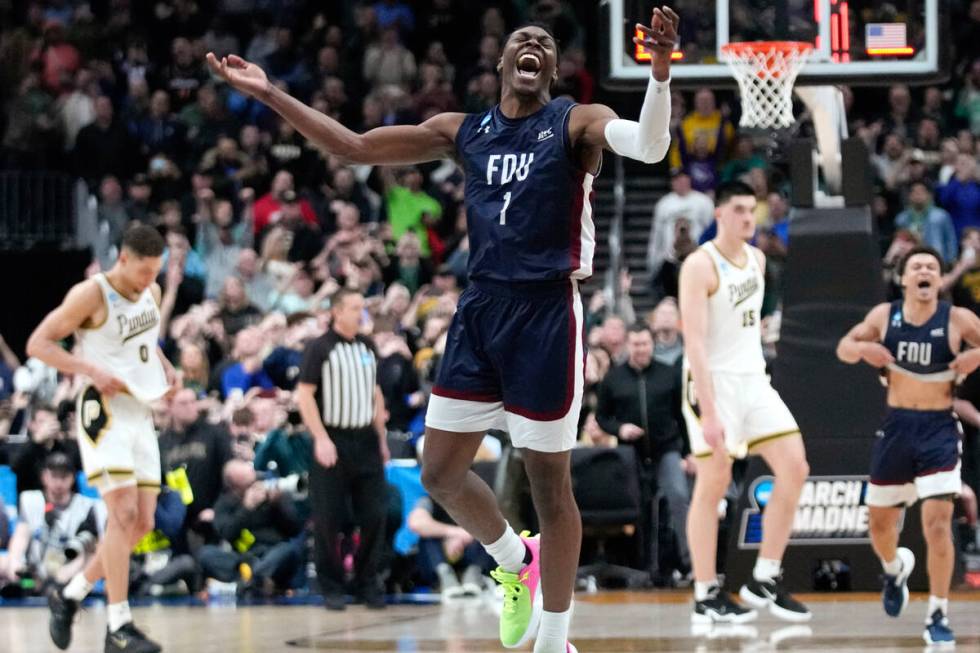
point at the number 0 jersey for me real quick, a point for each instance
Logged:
(734, 342)
(125, 344)
(529, 211)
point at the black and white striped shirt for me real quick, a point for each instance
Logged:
(345, 374)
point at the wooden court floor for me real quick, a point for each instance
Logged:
(603, 623)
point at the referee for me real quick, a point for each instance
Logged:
(341, 405)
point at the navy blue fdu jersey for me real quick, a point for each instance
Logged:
(529, 210)
(924, 349)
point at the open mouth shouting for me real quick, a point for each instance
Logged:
(528, 65)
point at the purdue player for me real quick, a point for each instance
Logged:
(115, 317)
(916, 455)
(731, 411)
(514, 353)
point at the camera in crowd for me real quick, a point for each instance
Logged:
(295, 485)
(81, 544)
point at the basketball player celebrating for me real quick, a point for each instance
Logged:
(115, 317)
(916, 455)
(731, 411)
(514, 354)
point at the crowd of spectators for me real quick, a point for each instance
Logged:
(262, 229)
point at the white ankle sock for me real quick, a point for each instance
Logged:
(936, 603)
(119, 615)
(893, 568)
(766, 569)
(553, 632)
(77, 588)
(508, 551)
(702, 590)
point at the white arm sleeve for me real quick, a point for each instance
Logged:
(648, 139)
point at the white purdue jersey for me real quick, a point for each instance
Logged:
(734, 343)
(125, 344)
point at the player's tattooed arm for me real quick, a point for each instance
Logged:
(968, 324)
(397, 145)
(863, 341)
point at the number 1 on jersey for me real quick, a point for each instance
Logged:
(503, 211)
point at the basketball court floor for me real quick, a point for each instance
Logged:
(606, 622)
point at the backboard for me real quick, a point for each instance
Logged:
(862, 42)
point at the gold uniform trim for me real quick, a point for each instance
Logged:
(772, 436)
(105, 411)
(114, 473)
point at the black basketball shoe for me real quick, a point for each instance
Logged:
(719, 607)
(771, 593)
(130, 639)
(60, 620)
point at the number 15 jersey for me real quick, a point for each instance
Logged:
(529, 205)
(734, 342)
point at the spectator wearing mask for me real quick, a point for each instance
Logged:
(640, 403)
(201, 449)
(259, 522)
(58, 529)
(931, 224)
(45, 437)
(664, 321)
(682, 202)
(342, 408)
(961, 196)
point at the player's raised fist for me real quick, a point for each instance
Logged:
(244, 76)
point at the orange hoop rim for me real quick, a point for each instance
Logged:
(762, 47)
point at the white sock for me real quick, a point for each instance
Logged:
(936, 603)
(508, 551)
(553, 632)
(766, 569)
(119, 615)
(77, 588)
(893, 568)
(702, 590)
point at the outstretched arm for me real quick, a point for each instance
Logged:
(648, 139)
(400, 145)
(863, 341)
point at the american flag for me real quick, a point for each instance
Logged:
(885, 35)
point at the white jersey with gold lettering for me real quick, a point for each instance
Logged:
(117, 439)
(734, 341)
(125, 344)
(751, 411)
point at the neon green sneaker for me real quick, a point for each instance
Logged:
(522, 599)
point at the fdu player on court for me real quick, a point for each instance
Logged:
(916, 342)
(515, 353)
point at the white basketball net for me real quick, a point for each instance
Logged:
(765, 72)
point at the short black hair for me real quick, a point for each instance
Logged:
(639, 327)
(919, 249)
(338, 296)
(539, 24)
(144, 241)
(730, 189)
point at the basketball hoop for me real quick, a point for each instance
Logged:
(765, 71)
